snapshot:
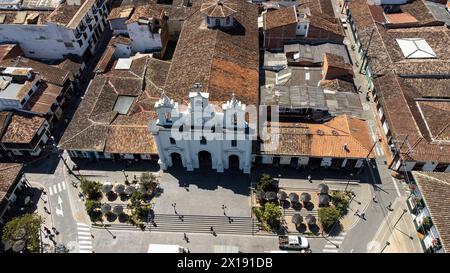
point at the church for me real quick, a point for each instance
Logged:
(202, 134)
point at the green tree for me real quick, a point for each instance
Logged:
(340, 200)
(149, 181)
(93, 210)
(23, 228)
(91, 189)
(271, 214)
(264, 183)
(328, 217)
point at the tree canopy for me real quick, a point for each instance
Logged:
(24, 230)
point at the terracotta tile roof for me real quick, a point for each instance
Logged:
(97, 127)
(400, 18)
(435, 190)
(9, 172)
(180, 10)
(120, 39)
(74, 66)
(48, 73)
(280, 17)
(106, 60)
(411, 115)
(44, 98)
(223, 61)
(22, 128)
(338, 85)
(147, 11)
(385, 53)
(323, 140)
(11, 15)
(63, 14)
(218, 8)
(8, 51)
(121, 12)
(132, 139)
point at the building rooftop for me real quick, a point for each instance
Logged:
(435, 190)
(314, 53)
(22, 128)
(9, 173)
(340, 137)
(280, 17)
(48, 73)
(218, 8)
(106, 122)
(412, 79)
(224, 61)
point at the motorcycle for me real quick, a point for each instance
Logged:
(81, 196)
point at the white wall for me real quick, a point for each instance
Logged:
(326, 162)
(142, 38)
(429, 166)
(46, 41)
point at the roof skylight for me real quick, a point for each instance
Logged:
(415, 48)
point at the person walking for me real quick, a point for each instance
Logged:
(309, 178)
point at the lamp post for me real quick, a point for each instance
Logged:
(348, 182)
(126, 176)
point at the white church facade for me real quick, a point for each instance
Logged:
(202, 134)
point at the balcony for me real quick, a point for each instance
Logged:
(77, 34)
(88, 19)
(82, 28)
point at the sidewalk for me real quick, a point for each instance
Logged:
(47, 243)
(397, 234)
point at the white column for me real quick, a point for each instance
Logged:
(219, 156)
(162, 159)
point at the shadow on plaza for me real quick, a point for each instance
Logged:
(109, 165)
(320, 173)
(208, 179)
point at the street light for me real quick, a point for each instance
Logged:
(348, 182)
(126, 176)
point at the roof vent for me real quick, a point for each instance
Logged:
(335, 133)
(320, 132)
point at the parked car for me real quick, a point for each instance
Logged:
(293, 242)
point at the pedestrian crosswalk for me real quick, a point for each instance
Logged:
(333, 243)
(84, 238)
(57, 188)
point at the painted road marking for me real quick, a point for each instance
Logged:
(330, 250)
(57, 188)
(84, 238)
(396, 187)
